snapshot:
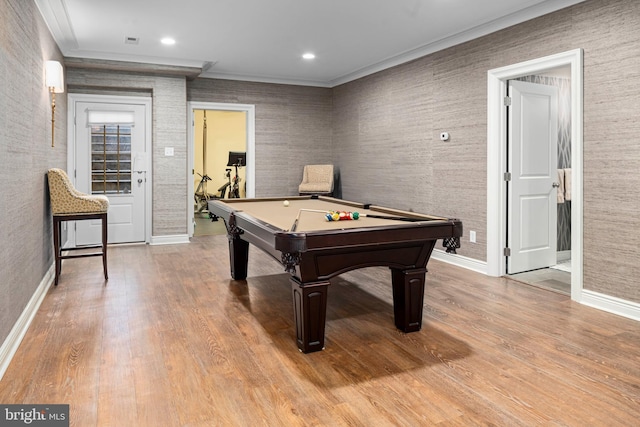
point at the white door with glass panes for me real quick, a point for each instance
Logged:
(110, 160)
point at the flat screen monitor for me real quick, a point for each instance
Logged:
(237, 158)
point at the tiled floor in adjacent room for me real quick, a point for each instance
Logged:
(556, 278)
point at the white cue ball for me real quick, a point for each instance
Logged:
(285, 203)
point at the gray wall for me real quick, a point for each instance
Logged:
(26, 245)
(293, 127)
(169, 129)
(382, 132)
(386, 130)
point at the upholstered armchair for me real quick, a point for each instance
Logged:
(69, 204)
(317, 179)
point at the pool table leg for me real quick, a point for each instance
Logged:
(310, 312)
(408, 298)
(238, 257)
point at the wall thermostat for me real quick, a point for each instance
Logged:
(444, 136)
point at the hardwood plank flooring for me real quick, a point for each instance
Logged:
(171, 340)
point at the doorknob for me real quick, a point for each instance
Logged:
(139, 180)
(555, 185)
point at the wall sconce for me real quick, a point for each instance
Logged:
(54, 78)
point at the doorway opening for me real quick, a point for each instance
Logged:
(221, 160)
(539, 196)
(497, 143)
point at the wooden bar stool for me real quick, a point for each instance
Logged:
(69, 204)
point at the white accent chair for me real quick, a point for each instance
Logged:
(317, 179)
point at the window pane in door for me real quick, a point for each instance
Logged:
(110, 159)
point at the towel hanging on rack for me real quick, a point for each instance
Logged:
(567, 184)
(560, 186)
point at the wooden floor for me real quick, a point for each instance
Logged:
(172, 341)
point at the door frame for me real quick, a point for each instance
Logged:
(250, 110)
(72, 100)
(497, 160)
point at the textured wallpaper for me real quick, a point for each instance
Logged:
(381, 131)
(26, 242)
(169, 129)
(386, 130)
(293, 127)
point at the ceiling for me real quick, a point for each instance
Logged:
(263, 40)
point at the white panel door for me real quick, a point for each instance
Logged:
(111, 160)
(532, 192)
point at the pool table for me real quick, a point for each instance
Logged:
(315, 249)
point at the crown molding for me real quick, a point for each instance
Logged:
(57, 19)
(56, 16)
(132, 67)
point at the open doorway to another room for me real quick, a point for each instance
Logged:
(219, 164)
(557, 275)
(498, 173)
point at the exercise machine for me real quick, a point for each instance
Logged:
(237, 159)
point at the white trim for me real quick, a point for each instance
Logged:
(56, 17)
(169, 240)
(20, 328)
(496, 159)
(460, 261)
(509, 20)
(267, 79)
(250, 109)
(73, 99)
(481, 30)
(611, 304)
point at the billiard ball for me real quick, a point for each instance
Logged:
(285, 203)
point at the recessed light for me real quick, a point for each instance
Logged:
(308, 55)
(168, 41)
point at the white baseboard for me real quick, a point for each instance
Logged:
(169, 240)
(9, 347)
(11, 344)
(460, 261)
(611, 304)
